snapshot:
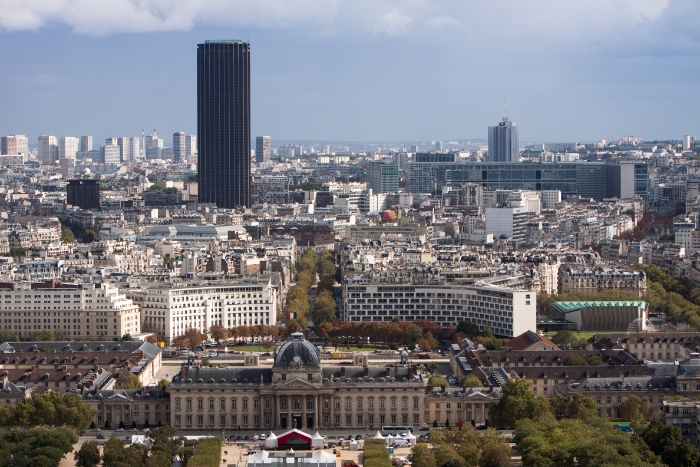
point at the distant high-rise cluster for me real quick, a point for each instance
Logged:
(184, 147)
(223, 122)
(14, 145)
(48, 149)
(504, 142)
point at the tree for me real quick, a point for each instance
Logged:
(468, 328)
(132, 382)
(493, 343)
(67, 235)
(50, 408)
(564, 338)
(190, 339)
(8, 336)
(166, 440)
(112, 452)
(88, 455)
(574, 359)
(90, 236)
(437, 381)
(126, 337)
(421, 456)
(668, 443)
(635, 409)
(267, 344)
(205, 362)
(495, 452)
(518, 402)
(471, 381)
(164, 384)
(575, 406)
(594, 360)
(427, 343)
(324, 308)
(218, 333)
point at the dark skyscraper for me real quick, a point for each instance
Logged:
(223, 122)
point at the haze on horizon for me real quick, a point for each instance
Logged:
(364, 70)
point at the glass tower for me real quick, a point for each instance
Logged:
(223, 123)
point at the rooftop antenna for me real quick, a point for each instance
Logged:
(504, 111)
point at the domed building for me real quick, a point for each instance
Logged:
(298, 391)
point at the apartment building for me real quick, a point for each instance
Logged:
(573, 278)
(173, 308)
(508, 312)
(71, 310)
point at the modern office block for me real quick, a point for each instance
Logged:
(67, 147)
(83, 193)
(597, 180)
(504, 142)
(124, 148)
(48, 149)
(13, 145)
(223, 122)
(134, 149)
(110, 154)
(383, 177)
(86, 143)
(262, 149)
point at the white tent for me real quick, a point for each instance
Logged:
(322, 459)
(271, 441)
(317, 441)
(378, 435)
(353, 445)
(259, 459)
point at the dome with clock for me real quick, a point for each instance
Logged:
(296, 353)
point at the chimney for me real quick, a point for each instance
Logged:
(33, 368)
(490, 387)
(442, 386)
(365, 371)
(342, 371)
(97, 367)
(182, 373)
(64, 368)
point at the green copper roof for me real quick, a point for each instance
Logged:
(566, 307)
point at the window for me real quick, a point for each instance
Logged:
(310, 377)
(415, 420)
(404, 404)
(348, 420)
(284, 404)
(234, 419)
(359, 419)
(200, 419)
(381, 404)
(234, 404)
(245, 404)
(337, 419)
(256, 404)
(337, 404)
(211, 420)
(359, 403)
(245, 419)
(415, 402)
(326, 404)
(189, 419)
(393, 419)
(222, 404)
(348, 404)
(382, 419)
(189, 404)
(309, 403)
(177, 420)
(267, 403)
(222, 420)
(296, 404)
(177, 404)
(211, 406)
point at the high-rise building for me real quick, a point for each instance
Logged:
(504, 142)
(223, 122)
(14, 144)
(86, 143)
(439, 146)
(686, 142)
(83, 193)
(262, 149)
(153, 146)
(48, 149)
(383, 176)
(191, 148)
(179, 147)
(124, 147)
(110, 154)
(134, 151)
(67, 147)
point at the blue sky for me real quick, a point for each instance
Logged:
(360, 70)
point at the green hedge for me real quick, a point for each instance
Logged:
(207, 453)
(376, 454)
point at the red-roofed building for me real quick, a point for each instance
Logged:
(531, 341)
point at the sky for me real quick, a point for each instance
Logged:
(358, 70)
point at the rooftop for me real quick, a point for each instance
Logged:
(566, 307)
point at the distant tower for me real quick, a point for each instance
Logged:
(262, 149)
(179, 148)
(686, 142)
(438, 146)
(223, 123)
(86, 143)
(504, 142)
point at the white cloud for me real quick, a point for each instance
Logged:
(442, 22)
(392, 23)
(390, 17)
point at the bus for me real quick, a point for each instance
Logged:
(396, 430)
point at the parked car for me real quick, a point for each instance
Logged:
(262, 437)
(239, 438)
(481, 427)
(146, 430)
(132, 430)
(425, 428)
(94, 430)
(349, 437)
(119, 430)
(101, 436)
(358, 437)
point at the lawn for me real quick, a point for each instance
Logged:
(579, 334)
(248, 348)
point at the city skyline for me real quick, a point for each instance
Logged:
(334, 70)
